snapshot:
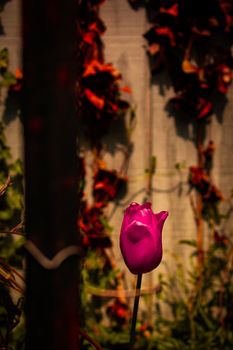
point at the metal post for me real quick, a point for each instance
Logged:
(50, 131)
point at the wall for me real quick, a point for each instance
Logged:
(11, 21)
(171, 143)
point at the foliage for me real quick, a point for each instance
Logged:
(11, 251)
(11, 290)
(98, 87)
(200, 311)
(99, 96)
(11, 204)
(192, 43)
(11, 172)
(201, 181)
(194, 48)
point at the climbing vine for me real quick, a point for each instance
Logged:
(11, 204)
(191, 42)
(101, 105)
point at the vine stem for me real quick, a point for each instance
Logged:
(119, 276)
(151, 170)
(199, 206)
(84, 335)
(199, 231)
(135, 311)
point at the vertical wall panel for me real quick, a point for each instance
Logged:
(172, 141)
(124, 48)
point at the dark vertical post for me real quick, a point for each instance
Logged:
(49, 54)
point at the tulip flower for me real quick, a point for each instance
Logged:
(141, 246)
(141, 237)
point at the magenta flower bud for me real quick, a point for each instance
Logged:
(141, 237)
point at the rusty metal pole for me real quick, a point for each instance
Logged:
(50, 131)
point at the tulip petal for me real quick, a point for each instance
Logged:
(162, 215)
(137, 231)
(140, 237)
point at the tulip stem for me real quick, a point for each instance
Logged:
(135, 311)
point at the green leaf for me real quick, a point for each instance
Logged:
(8, 79)
(191, 242)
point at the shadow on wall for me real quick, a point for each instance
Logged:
(12, 107)
(189, 50)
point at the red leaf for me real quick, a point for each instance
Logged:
(166, 31)
(95, 66)
(188, 67)
(224, 78)
(97, 26)
(18, 74)
(154, 48)
(92, 68)
(205, 108)
(97, 101)
(172, 11)
(113, 107)
(203, 32)
(126, 89)
(89, 38)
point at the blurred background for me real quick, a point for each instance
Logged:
(155, 124)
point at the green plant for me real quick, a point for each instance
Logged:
(11, 244)
(11, 249)
(200, 313)
(192, 43)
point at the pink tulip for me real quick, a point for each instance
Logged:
(141, 237)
